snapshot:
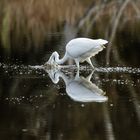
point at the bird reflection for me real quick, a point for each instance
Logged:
(79, 89)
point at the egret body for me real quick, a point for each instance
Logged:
(79, 49)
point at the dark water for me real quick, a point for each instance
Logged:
(32, 106)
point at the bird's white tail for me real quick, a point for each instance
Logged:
(102, 41)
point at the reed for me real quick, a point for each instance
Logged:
(30, 20)
(103, 16)
(27, 22)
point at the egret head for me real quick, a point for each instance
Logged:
(53, 58)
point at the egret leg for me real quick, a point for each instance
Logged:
(89, 76)
(77, 63)
(77, 75)
(89, 61)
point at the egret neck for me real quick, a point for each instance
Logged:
(62, 60)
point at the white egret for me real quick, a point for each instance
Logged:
(79, 49)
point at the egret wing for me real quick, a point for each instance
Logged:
(81, 46)
(81, 93)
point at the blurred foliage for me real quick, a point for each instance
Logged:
(25, 25)
(28, 21)
(5, 30)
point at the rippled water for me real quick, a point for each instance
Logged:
(39, 103)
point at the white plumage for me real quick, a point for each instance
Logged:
(79, 49)
(79, 89)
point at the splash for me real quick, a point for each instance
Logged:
(28, 69)
(118, 70)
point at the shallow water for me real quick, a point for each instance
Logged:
(37, 103)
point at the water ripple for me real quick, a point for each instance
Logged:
(118, 69)
(27, 69)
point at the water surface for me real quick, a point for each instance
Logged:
(33, 106)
